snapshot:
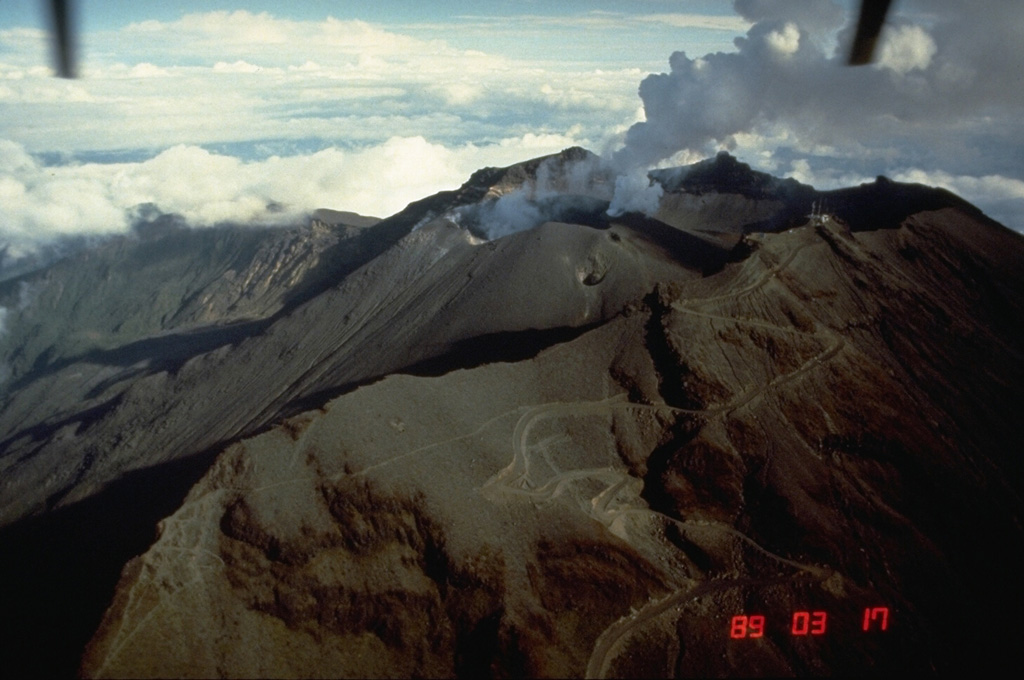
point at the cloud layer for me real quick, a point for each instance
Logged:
(39, 203)
(293, 86)
(236, 116)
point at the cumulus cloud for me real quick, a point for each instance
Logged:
(907, 48)
(785, 40)
(707, 100)
(945, 94)
(244, 117)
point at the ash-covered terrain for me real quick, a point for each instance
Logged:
(523, 428)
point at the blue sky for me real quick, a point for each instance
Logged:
(109, 14)
(446, 20)
(215, 110)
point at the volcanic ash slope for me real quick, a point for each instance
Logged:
(134, 364)
(826, 422)
(137, 381)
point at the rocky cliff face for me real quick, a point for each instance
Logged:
(584, 448)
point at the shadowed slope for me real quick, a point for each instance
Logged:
(716, 418)
(823, 425)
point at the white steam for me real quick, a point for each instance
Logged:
(560, 192)
(514, 212)
(933, 86)
(558, 187)
(635, 192)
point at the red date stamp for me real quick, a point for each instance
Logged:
(804, 623)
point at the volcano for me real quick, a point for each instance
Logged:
(762, 430)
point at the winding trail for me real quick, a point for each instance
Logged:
(520, 478)
(761, 280)
(428, 447)
(535, 475)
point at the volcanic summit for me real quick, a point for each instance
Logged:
(759, 429)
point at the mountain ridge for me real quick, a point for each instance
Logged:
(670, 332)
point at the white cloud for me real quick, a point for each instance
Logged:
(949, 98)
(906, 49)
(237, 67)
(680, 20)
(599, 20)
(346, 114)
(241, 35)
(237, 77)
(147, 70)
(785, 41)
(800, 170)
(460, 92)
(39, 203)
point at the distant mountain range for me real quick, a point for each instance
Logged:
(503, 432)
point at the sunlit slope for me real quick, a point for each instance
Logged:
(826, 425)
(319, 314)
(831, 394)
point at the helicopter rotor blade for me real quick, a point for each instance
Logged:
(60, 15)
(869, 26)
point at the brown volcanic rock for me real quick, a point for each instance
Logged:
(304, 315)
(825, 425)
(361, 564)
(127, 404)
